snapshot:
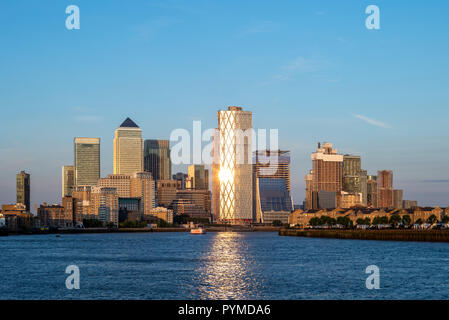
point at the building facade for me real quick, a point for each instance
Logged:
(128, 148)
(326, 174)
(273, 200)
(198, 177)
(157, 159)
(68, 180)
(87, 161)
(23, 186)
(371, 191)
(385, 196)
(397, 198)
(54, 216)
(235, 161)
(105, 204)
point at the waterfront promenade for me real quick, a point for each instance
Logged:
(388, 235)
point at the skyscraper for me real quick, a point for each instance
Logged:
(327, 172)
(371, 191)
(271, 190)
(235, 167)
(68, 180)
(198, 177)
(354, 178)
(397, 198)
(87, 161)
(281, 168)
(157, 159)
(23, 189)
(128, 148)
(351, 173)
(385, 197)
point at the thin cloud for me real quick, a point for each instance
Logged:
(372, 121)
(435, 181)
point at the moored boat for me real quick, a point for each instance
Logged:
(199, 230)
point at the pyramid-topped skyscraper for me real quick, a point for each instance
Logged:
(128, 148)
(128, 123)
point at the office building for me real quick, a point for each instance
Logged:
(198, 177)
(409, 204)
(162, 213)
(181, 179)
(166, 192)
(128, 148)
(130, 209)
(385, 197)
(157, 159)
(201, 198)
(105, 206)
(326, 174)
(87, 161)
(54, 216)
(138, 185)
(325, 199)
(68, 180)
(82, 208)
(371, 191)
(235, 171)
(23, 189)
(397, 198)
(273, 165)
(273, 202)
(350, 199)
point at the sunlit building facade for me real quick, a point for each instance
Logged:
(235, 166)
(385, 194)
(157, 159)
(128, 148)
(87, 161)
(68, 180)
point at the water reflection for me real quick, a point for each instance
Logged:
(229, 269)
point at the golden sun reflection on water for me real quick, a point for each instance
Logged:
(228, 271)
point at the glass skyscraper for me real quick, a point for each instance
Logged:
(87, 161)
(157, 159)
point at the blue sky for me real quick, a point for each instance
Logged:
(308, 68)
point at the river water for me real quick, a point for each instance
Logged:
(257, 265)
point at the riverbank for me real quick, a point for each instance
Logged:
(144, 230)
(385, 235)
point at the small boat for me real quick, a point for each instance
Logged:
(198, 230)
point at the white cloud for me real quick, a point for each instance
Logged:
(372, 121)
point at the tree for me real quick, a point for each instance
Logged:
(419, 221)
(445, 219)
(345, 221)
(367, 221)
(360, 221)
(277, 223)
(314, 222)
(384, 220)
(395, 219)
(432, 219)
(406, 220)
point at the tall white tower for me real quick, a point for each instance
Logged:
(235, 183)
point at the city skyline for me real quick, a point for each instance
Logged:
(325, 151)
(323, 77)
